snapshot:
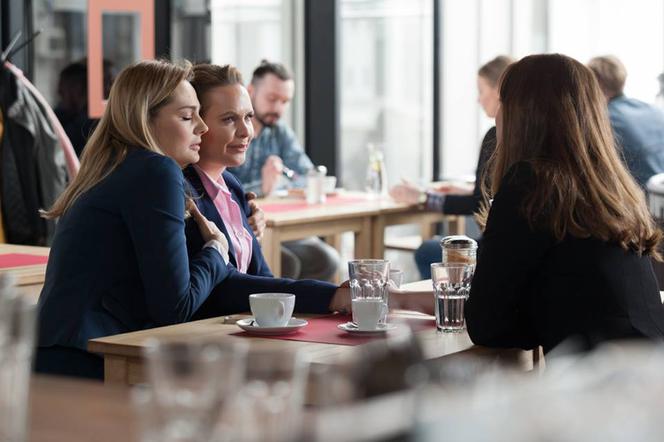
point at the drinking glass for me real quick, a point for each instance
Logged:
(451, 286)
(368, 285)
(192, 380)
(269, 407)
(396, 278)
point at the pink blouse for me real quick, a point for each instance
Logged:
(231, 214)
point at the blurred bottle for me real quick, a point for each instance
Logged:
(376, 182)
(315, 191)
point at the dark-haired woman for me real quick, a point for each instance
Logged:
(568, 239)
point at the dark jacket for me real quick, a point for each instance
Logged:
(119, 259)
(531, 290)
(232, 295)
(32, 164)
(470, 204)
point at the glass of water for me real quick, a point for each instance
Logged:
(369, 279)
(451, 287)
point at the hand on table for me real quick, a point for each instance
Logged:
(341, 301)
(270, 173)
(257, 217)
(406, 192)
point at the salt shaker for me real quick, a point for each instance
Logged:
(459, 249)
(315, 191)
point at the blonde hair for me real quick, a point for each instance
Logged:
(610, 73)
(554, 118)
(493, 69)
(138, 92)
(210, 76)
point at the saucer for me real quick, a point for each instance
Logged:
(352, 328)
(249, 324)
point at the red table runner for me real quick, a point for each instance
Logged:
(324, 330)
(9, 260)
(299, 205)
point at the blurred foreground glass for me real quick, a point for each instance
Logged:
(451, 286)
(192, 382)
(396, 277)
(369, 294)
(17, 338)
(269, 407)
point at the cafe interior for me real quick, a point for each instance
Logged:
(429, 220)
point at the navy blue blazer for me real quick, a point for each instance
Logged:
(232, 295)
(119, 258)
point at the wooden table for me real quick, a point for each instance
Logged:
(124, 362)
(29, 278)
(367, 217)
(68, 410)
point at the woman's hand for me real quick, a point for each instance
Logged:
(407, 193)
(341, 301)
(257, 217)
(410, 300)
(209, 230)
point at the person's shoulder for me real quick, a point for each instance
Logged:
(520, 175)
(283, 129)
(231, 180)
(151, 164)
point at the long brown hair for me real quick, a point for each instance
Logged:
(554, 117)
(138, 92)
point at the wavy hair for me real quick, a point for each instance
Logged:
(137, 94)
(555, 118)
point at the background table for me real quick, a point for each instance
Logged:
(29, 278)
(366, 216)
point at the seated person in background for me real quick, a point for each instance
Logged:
(273, 148)
(72, 108)
(226, 109)
(637, 126)
(566, 249)
(119, 260)
(449, 200)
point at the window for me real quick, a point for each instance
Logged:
(386, 87)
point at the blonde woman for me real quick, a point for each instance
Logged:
(119, 259)
(566, 252)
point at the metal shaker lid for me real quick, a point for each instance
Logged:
(458, 242)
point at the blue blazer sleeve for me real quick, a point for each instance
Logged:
(175, 286)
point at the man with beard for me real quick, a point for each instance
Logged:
(273, 151)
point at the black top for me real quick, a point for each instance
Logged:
(469, 204)
(531, 290)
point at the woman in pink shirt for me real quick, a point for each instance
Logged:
(227, 110)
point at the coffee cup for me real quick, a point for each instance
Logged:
(272, 309)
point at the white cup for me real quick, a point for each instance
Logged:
(272, 309)
(367, 312)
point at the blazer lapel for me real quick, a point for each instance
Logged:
(207, 207)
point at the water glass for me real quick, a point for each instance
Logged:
(192, 382)
(17, 341)
(451, 286)
(270, 404)
(369, 295)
